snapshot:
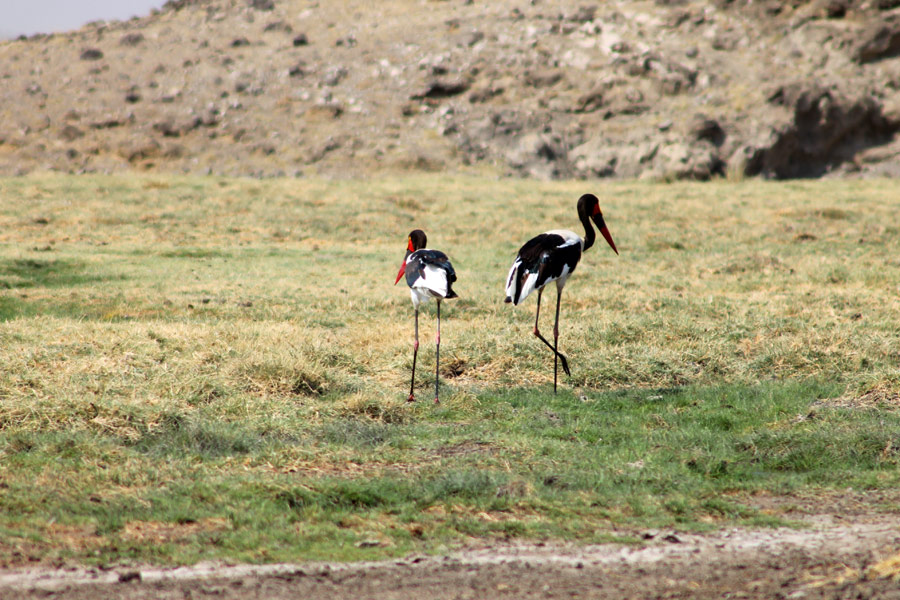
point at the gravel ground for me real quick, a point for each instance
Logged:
(849, 551)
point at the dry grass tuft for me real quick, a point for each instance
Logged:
(884, 396)
(284, 379)
(392, 411)
(453, 368)
(888, 568)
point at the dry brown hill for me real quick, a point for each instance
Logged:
(670, 89)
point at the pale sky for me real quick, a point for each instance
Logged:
(19, 17)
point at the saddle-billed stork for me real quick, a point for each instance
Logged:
(553, 256)
(429, 274)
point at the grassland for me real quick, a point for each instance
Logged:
(218, 368)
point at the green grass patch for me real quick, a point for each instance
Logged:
(549, 468)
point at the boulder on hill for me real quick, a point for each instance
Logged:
(826, 130)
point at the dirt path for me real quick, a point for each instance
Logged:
(834, 557)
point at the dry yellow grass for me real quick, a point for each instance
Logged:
(274, 289)
(889, 568)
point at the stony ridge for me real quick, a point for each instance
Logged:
(668, 89)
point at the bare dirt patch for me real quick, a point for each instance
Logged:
(846, 546)
(166, 532)
(880, 396)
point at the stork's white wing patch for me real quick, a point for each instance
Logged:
(527, 286)
(434, 279)
(570, 238)
(511, 280)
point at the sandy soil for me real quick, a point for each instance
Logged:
(837, 554)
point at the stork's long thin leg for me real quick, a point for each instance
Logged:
(556, 337)
(562, 357)
(412, 384)
(437, 352)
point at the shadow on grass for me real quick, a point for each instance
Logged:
(177, 435)
(27, 273)
(393, 491)
(356, 433)
(196, 253)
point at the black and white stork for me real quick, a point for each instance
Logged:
(553, 256)
(429, 274)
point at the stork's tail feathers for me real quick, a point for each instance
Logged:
(520, 283)
(451, 279)
(513, 282)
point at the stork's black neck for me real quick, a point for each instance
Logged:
(589, 235)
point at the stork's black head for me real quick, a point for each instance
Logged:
(415, 241)
(589, 206)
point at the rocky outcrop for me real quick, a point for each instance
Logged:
(878, 41)
(826, 130)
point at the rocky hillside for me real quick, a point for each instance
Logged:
(670, 89)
